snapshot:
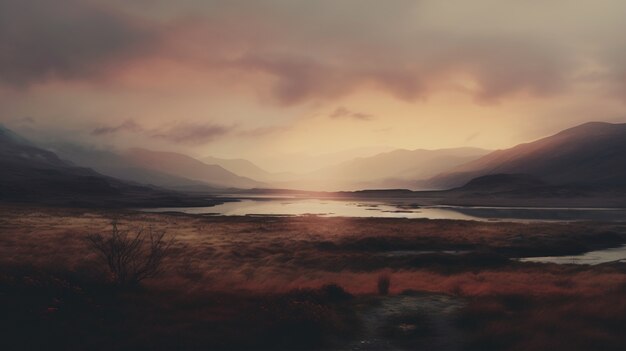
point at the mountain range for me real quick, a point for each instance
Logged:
(188, 167)
(394, 169)
(116, 164)
(159, 168)
(248, 169)
(588, 154)
(32, 174)
(389, 170)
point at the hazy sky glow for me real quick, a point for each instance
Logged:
(258, 78)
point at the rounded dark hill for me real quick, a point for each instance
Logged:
(589, 154)
(502, 183)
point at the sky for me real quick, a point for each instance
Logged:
(261, 79)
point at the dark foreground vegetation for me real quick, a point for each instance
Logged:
(45, 310)
(306, 283)
(546, 322)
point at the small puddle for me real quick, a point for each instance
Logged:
(617, 254)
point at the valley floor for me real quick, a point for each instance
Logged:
(310, 283)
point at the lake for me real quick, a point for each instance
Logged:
(282, 206)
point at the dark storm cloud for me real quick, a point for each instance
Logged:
(298, 78)
(308, 50)
(65, 39)
(404, 60)
(345, 50)
(507, 65)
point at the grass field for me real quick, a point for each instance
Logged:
(310, 283)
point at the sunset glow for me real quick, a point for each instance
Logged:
(262, 79)
(362, 175)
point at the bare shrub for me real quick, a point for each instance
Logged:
(131, 256)
(384, 282)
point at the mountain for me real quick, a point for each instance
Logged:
(247, 169)
(303, 163)
(589, 154)
(17, 152)
(404, 164)
(389, 170)
(32, 174)
(115, 164)
(498, 183)
(187, 167)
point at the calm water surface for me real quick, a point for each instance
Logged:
(392, 209)
(617, 254)
(282, 206)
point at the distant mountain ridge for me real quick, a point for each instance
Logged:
(246, 168)
(32, 174)
(188, 167)
(589, 156)
(388, 170)
(407, 164)
(116, 165)
(591, 153)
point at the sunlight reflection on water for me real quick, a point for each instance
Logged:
(617, 254)
(390, 209)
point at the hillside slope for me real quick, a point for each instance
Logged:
(592, 153)
(32, 174)
(187, 167)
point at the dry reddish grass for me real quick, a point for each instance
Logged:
(281, 254)
(238, 260)
(556, 322)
